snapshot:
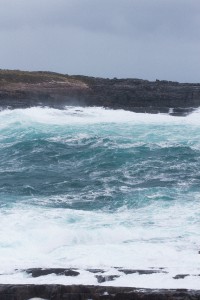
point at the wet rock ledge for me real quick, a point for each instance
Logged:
(19, 89)
(61, 292)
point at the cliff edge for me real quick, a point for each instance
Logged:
(20, 89)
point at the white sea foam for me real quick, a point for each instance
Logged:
(90, 115)
(158, 235)
(137, 239)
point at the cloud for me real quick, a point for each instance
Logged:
(129, 38)
(134, 18)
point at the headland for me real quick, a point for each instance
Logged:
(21, 89)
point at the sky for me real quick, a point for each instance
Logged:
(147, 39)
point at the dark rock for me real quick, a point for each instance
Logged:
(181, 276)
(141, 272)
(37, 272)
(101, 278)
(79, 292)
(95, 271)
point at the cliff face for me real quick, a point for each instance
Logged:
(24, 89)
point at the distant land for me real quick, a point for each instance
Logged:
(21, 89)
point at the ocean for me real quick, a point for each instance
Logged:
(88, 187)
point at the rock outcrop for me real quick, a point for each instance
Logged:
(20, 89)
(78, 292)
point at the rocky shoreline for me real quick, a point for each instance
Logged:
(19, 89)
(92, 292)
(79, 292)
(99, 274)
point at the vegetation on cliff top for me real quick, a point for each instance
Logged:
(16, 76)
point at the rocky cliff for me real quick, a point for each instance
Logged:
(24, 89)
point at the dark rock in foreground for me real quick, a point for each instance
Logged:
(141, 272)
(20, 89)
(37, 272)
(60, 292)
(104, 278)
(181, 276)
(81, 292)
(94, 271)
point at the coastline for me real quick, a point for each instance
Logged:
(20, 89)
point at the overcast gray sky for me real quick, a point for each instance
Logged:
(148, 39)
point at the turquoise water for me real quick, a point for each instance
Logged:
(113, 185)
